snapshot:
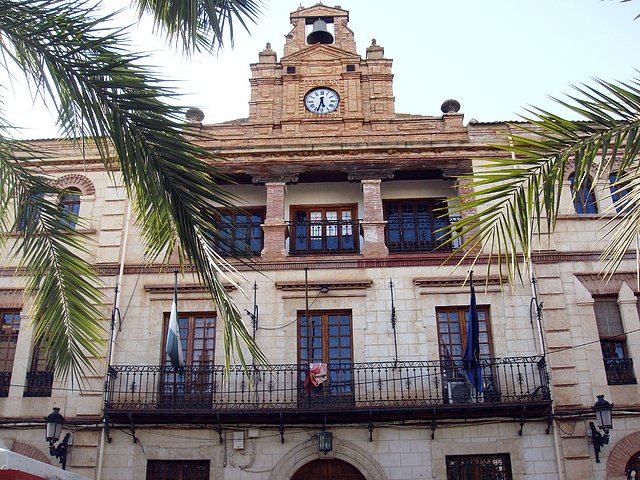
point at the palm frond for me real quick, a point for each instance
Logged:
(517, 198)
(63, 285)
(105, 95)
(198, 24)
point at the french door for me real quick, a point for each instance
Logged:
(325, 338)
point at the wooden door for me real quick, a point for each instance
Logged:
(329, 469)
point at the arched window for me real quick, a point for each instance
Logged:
(618, 190)
(584, 200)
(70, 207)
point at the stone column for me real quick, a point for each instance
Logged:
(373, 222)
(274, 227)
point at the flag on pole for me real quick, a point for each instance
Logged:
(174, 344)
(471, 357)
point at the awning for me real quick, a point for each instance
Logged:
(14, 466)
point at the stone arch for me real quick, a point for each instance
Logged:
(30, 451)
(620, 455)
(342, 450)
(78, 181)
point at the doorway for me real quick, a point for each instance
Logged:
(329, 469)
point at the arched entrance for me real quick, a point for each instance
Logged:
(329, 469)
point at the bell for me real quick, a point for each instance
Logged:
(320, 34)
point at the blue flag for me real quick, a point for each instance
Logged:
(471, 357)
(174, 345)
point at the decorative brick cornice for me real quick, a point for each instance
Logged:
(78, 181)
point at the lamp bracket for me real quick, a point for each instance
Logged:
(549, 421)
(370, 431)
(60, 451)
(598, 440)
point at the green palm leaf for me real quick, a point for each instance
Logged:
(105, 96)
(516, 198)
(198, 24)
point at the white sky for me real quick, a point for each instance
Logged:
(494, 56)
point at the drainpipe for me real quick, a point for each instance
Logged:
(114, 330)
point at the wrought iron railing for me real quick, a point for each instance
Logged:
(423, 235)
(5, 382)
(38, 384)
(619, 371)
(378, 385)
(324, 237)
(240, 239)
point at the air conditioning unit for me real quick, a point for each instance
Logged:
(462, 392)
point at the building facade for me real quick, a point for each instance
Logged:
(351, 298)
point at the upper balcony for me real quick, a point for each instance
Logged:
(516, 387)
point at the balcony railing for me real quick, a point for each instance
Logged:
(5, 382)
(324, 237)
(423, 235)
(240, 239)
(38, 384)
(619, 371)
(363, 387)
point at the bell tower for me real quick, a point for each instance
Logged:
(321, 79)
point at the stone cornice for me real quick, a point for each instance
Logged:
(330, 285)
(184, 288)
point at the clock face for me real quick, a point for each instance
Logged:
(321, 100)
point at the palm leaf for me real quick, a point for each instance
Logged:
(516, 199)
(198, 24)
(105, 96)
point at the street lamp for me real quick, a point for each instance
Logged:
(54, 422)
(325, 441)
(602, 409)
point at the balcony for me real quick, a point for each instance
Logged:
(39, 384)
(324, 237)
(423, 235)
(362, 393)
(619, 371)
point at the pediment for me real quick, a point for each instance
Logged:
(320, 52)
(320, 11)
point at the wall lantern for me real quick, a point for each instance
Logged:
(602, 409)
(54, 422)
(325, 441)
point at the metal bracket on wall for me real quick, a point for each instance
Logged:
(132, 427)
(281, 430)
(219, 427)
(434, 424)
(549, 421)
(522, 420)
(107, 429)
(371, 431)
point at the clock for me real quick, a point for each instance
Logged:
(321, 100)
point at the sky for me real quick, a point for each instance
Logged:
(496, 57)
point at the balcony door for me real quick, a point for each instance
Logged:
(452, 338)
(415, 225)
(324, 230)
(191, 386)
(9, 329)
(325, 341)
